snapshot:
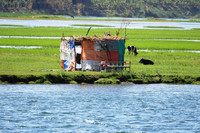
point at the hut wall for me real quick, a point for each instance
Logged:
(67, 55)
(121, 49)
(93, 52)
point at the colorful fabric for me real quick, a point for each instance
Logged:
(72, 44)
(121, 49)
(67, 54)
(114, 56)
(64, 64)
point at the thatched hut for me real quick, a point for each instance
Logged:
(86, 53)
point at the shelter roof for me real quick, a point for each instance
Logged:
(95, 38)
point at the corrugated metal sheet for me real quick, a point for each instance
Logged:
(93, 55)
(87, 45)
(91, 65)
(105, 46)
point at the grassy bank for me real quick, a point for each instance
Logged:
(97, 78)
(42, 65)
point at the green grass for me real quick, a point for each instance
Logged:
(30, 42)
(22, 61)
(164, 44)
(41, 31)
(11, 25)
(162, 27)
(29, 61)
(14, 15)
(166, 63)
(139, 43)
(196, 28)
(132, 33)
(47, 59)
(39, 51)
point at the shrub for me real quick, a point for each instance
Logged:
(196, 82)
(198, 79)
(66, 78)
(38, 81)
(137, 81)
(167, 80)
(123, 77)
(47, 82)
(177, 79)
(73, 82)
(54, 78)
(188, 80)
(85, 78)
(79, 78)
(5, 82)
(31, 82)
(153, 79)
(20, 83)
(107, 81)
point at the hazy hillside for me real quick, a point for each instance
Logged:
(122, 8)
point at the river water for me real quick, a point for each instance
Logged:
(99, 108)
(113, 24)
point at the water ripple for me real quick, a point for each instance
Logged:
(97, 108)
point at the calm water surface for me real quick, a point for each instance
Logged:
(96, 108)
(114, 24)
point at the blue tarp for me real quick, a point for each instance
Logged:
(67, 54)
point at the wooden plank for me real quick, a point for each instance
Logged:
(118, 64)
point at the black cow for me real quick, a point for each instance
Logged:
(146, 62)
(133, 50)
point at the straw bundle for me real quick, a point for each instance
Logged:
(97, 38)
(94, 38)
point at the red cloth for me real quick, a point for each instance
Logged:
(62, 64)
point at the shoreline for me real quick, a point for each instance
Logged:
(101, 78)
(196, 20)
(80, 19)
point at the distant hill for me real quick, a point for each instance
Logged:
(111, 8)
